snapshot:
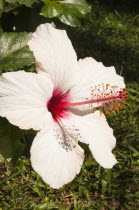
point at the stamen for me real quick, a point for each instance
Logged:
(107, 98)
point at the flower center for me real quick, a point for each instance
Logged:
(54, 104)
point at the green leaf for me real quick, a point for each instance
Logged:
(51, 9)
(10, 7)
(1, 30)
(71, 15)
(1, 7)
(27, 3)
(45, 207)
(1, 4)
(74, 11)
(1, 159)
(14, 52)
(81, 5)
(7, 7)
(10, 145)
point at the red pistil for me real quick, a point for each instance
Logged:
(107, 99)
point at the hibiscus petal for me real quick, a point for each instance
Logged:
(56, 164)
(54, 54)
(23, 98)
(97, 73)
(95, 131)
(94, 74)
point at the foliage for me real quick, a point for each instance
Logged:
(109, 33)
(68, 11)
(10, 146)
(14, 52)
(24, 2)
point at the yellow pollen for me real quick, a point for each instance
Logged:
(110, 92)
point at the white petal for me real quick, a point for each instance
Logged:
(97, 73)
(95, 131)
(94, 74)
(54, 54)
(56, 164)
(23, 98)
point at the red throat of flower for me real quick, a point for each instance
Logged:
(55, 102)
(105, 97)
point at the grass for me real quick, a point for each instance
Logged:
(95, 187)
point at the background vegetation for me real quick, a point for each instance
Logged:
(107, 30)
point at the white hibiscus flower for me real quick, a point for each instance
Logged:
(58, 102)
